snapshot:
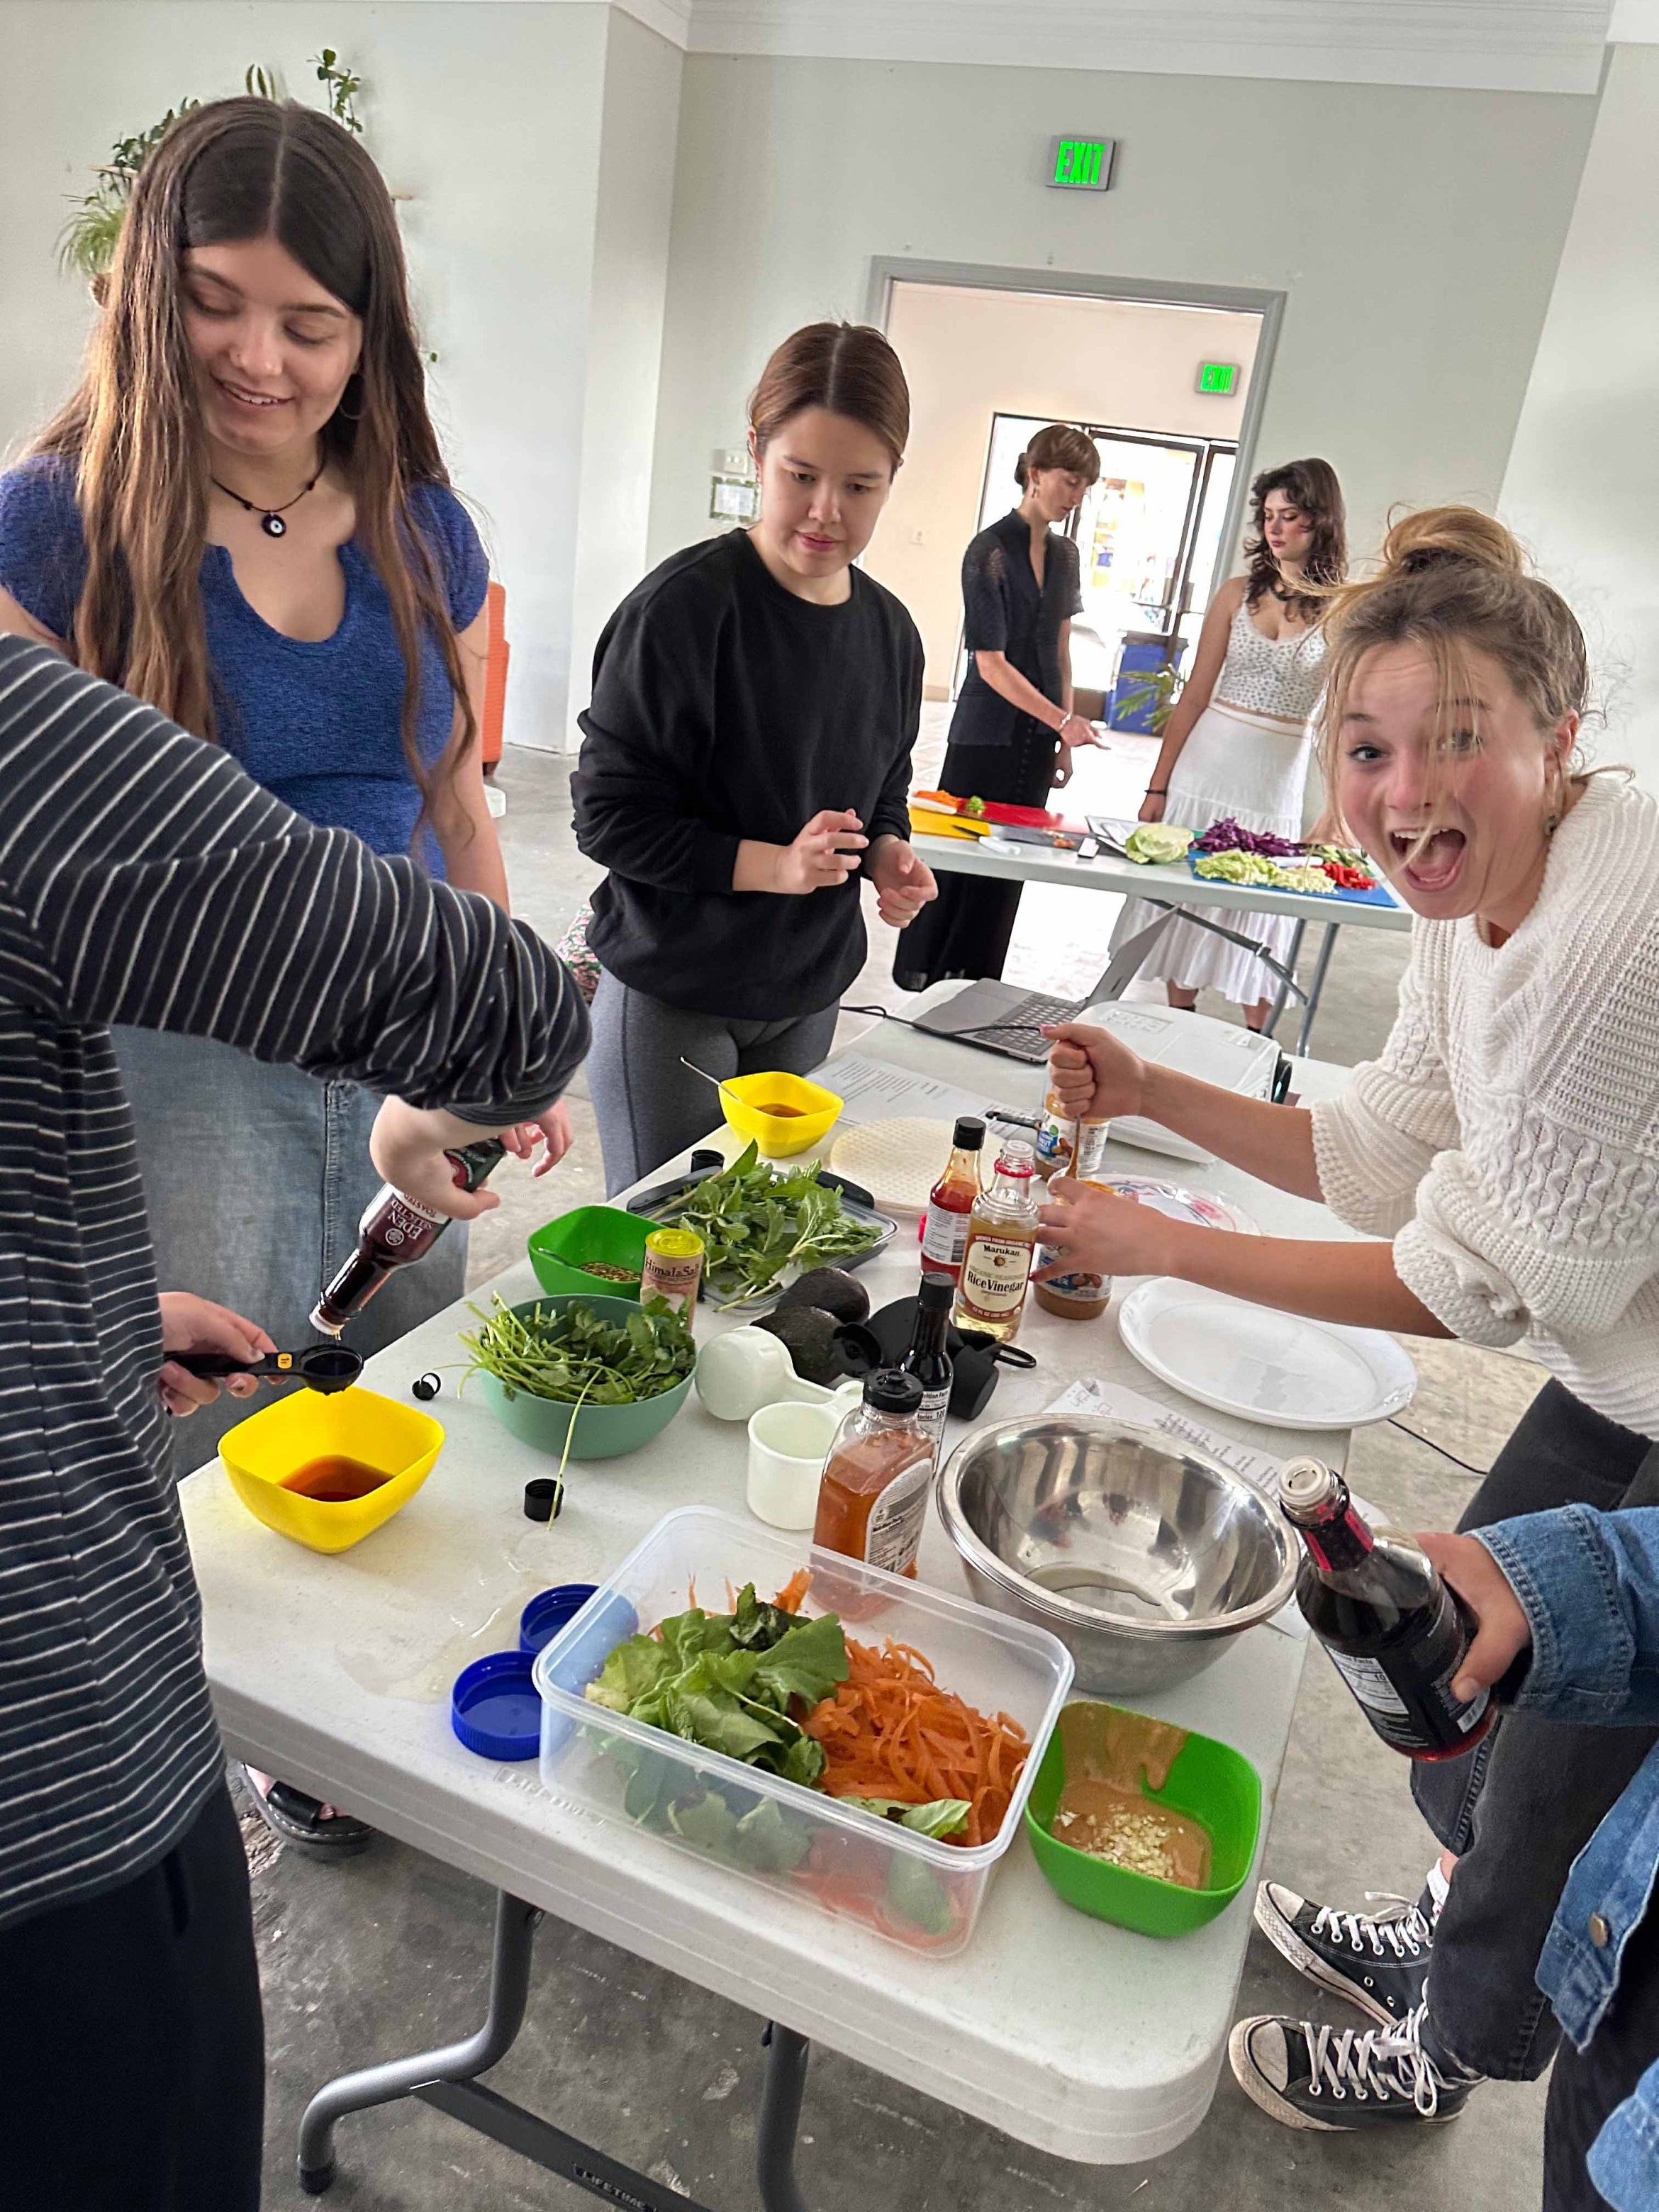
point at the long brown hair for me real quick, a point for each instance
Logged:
(1452, 581)
(1312, 486)
(849, 368)
(231, 171)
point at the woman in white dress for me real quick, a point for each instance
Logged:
(1238, 742)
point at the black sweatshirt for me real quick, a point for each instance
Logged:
(145, 878)
(725, 707)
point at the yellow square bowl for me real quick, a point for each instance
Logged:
(263, 1453)
(814, 1111)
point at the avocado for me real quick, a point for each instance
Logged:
(834, 1290)
(808, 1335)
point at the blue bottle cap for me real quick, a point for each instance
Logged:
(495, 1708)
(548, 1611)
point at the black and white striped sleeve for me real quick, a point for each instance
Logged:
(157, 884)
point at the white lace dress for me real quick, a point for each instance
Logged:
(1246, 756)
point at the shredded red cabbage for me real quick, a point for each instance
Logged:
(1230, 836)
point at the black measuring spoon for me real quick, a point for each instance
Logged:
(324, 1367)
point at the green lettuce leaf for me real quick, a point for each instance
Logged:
(806, 1663)
(944, 1816)
(633, 1669)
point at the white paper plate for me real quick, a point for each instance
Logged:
(1274, 1368)
(898, 1162)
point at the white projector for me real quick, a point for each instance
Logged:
(1233, 1059)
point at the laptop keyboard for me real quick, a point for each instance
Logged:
(1018, 1033)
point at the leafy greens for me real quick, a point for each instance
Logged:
(576, 1354)
(729, 1682)
(756, 1224)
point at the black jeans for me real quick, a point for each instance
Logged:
(1586, 2086)
(1521, 1806)
(131, 2048)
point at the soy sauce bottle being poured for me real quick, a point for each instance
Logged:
(1395, 1632)
(395, 1231)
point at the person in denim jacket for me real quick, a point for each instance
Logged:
(1568, 1604)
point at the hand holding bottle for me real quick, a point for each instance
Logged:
(1094, 1077)
(410, 1146)
(1503, 1631)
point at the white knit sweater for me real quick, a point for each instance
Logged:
(1508, 1137)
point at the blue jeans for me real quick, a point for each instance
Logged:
(255, 1179)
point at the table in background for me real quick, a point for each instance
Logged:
(1173, 886)
(1082, 2039)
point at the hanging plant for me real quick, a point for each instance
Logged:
(86, 245)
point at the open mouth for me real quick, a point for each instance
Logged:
(240, 397)
(1431, 863)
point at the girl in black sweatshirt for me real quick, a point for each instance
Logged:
(746, 763)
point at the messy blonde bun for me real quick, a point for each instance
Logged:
(1454, 581)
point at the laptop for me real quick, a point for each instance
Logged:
(1006, 1018)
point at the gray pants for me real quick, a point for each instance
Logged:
(255, 1179)
(649, 1107)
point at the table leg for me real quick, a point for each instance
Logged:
(1285, 982)
(509, 1989)
(780, 2119)
(1316, 985)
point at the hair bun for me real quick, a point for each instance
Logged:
(1436, 536)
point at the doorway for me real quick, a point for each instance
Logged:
(1148, 535)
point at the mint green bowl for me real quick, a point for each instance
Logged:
(601, 1431)
(1212, 1784)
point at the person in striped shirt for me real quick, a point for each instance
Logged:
(146, 879)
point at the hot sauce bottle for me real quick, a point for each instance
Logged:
(1002, 1232)
(395, 1231)
(872, 1500)
(951, 1201)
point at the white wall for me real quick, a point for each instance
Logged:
(640, 120)
(1583, 482)
(969, 353)
(1415, 232)
(488, 115)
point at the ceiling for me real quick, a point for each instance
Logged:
(1514, 45)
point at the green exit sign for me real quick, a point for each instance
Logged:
(1220, 377)
(1081, 165)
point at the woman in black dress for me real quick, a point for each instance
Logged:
(1013, 730)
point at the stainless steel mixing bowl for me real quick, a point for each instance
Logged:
(1142, 1555)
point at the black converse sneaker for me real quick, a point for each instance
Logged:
(1378, 1962)
(1307, 2075)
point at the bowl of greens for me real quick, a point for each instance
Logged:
(584, 1377)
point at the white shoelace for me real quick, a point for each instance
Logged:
(1404, 1937)
(1380, 2063)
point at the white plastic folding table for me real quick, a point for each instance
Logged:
(1089, 2042)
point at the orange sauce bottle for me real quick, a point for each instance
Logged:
(872, 1499)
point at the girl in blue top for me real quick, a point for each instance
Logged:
(242, 515)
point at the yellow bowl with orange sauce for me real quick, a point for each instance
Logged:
(751, 1105)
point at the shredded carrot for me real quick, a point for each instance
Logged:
(789, 1599)
(890, 1731)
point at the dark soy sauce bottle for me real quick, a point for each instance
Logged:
(1395, 1632)
(927, 1359)
(395, 1231)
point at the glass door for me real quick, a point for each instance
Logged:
(1148, 534)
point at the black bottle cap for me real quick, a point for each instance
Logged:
(544, 1497)
(938, 1293)
(704, 1158)
(891, 1390)
(970, 1136)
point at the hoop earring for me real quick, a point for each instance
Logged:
(343, 410)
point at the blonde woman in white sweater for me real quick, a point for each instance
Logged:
(1505, 1150)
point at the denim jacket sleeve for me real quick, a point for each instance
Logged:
(1589, 1584)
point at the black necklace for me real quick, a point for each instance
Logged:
(270, 517)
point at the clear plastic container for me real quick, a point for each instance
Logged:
(923, 1894)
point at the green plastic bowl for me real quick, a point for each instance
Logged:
(1212, 1784)
(601, 1431)
(559, 1249)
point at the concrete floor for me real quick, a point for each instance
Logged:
(388, 1953)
